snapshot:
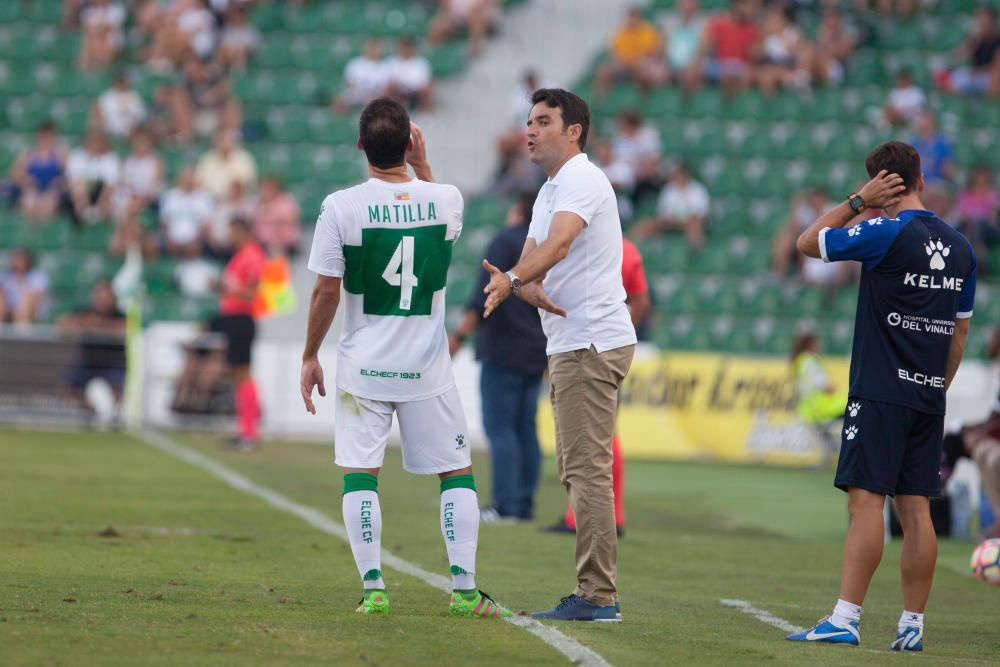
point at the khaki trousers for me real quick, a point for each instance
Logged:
(584, 391)
(987, 458)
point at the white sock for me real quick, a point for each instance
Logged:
(844, 613)
(363, 521)
(460, 529)
(911, 619)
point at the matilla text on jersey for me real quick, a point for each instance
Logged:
(390, 213)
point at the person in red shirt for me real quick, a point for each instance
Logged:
(238, 289)
(637, 291)
(729, 47)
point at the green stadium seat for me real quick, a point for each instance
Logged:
(94, 237)
(40, 237)
(447, 60)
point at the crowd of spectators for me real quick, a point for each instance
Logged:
(750, 43)
(406, 76)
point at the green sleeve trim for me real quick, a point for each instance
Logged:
(360, 481)
(458, 482)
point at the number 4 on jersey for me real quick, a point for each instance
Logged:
(399, 272)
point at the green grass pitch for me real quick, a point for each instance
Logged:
(114, 553)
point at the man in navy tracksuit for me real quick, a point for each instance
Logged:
(918, 282)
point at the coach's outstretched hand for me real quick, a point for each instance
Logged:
(498, 289)
(883, 190)
(534, 293)
(312, 376)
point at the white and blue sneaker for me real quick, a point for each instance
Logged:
(910, 639)
(825, 631)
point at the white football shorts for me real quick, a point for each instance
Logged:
(434, 432)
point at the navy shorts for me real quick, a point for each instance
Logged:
(891, 449)
(80, 376)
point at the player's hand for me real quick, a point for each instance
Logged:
(882, 191)
(454, 344)
(312, 376)
(497, 290)
(534, 293)
(416, 156)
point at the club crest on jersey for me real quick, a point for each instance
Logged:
(937, 251)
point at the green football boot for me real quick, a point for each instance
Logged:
(477, 605)
(375, 601)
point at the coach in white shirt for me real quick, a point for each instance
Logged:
(575, 244)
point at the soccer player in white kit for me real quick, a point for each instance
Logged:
(387, 242)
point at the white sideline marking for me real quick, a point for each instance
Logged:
(762, 615)
(576, 652)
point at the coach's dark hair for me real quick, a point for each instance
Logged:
(385, 132)
(895, 157)
(574, 110)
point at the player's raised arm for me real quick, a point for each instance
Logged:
(416, 155)
(880, 192)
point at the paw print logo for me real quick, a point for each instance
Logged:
(854, 231)
(853, 409)
(460, 441)
(851, 431)
(937, 251)
(874, 221)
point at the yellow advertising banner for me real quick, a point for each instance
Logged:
(713, 407)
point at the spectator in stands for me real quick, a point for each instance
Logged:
(981, 73)
(102, 23)
(118, 110)
(684, 204)
(783, 56)
(276, 219)
(100, 329)
(139, 187)
(511, 144)
(937, 153)
(225, 164)
(202, 102)
(479, 16)
(905, 101)
(638, 144)
(24, 289)
(940, 196)
(510, 345)
(237, 204)
(238, 42)
(804, 209)
(636, 54)
(620, 175)
(682, 36)
(730, 45)
(977, 210)
(185, 211)
(833, 46)
(410, 77)
(182, 28)
(92, 172)
(365, 78)
(38, 174)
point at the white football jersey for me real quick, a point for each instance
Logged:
(391, 243)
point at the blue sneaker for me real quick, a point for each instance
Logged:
(910, 639)
(825, 631)
(575, 608)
